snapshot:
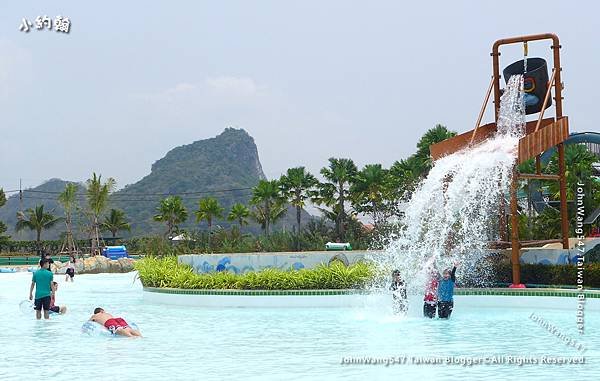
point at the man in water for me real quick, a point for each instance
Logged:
(446, 293)
(42, 282)
(49, 259)
(398, 289)
(117, 326)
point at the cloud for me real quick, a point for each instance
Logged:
(212, 93)
(218, 91)
(233, 86)
(181, 88)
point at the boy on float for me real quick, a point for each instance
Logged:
(116, 326)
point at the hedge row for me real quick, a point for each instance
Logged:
(563, 275)
(167, 272)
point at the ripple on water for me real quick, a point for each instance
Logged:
(264, 344)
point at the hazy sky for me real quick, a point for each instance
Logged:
(307, 79)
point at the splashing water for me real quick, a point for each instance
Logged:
(511, 118)
(454, 212)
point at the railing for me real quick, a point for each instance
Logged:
(34, 260)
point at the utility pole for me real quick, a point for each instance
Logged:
(20, 195)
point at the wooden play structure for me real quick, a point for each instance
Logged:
(540, 135)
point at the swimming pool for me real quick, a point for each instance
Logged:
(192, 343)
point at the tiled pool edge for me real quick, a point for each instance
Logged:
(459, 291)
(468, 298)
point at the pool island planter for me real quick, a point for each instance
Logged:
(561, 299)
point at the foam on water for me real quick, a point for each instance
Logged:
(454, 212)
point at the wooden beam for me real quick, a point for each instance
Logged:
(539, 243)
(535, 176)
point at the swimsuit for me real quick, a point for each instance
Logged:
(115, 324)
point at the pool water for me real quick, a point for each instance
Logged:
(185, 343)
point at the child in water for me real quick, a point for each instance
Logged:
(398, 289)
(54, 308)
(430, 299)
(445, 294)
(70, 273)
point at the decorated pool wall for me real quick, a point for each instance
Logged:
(556, 256)
(243, 262)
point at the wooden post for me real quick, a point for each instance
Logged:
(502, 221)
(514, 233)
(564, 216)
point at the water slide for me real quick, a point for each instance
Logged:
(575, 138)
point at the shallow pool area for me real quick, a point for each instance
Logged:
(272, 344)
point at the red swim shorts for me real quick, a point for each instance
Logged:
(115, 324)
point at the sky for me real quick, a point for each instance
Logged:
(307, 79)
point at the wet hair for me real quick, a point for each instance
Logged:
(98, 310)
(396, 273)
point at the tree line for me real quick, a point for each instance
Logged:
(344, 193)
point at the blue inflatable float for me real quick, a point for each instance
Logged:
(115, 252)
(94, 329)
(26, 307)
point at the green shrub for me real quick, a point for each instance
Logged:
(167, 272)
(593, 255)
(560, 275)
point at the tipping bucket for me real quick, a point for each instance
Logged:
(535, 82)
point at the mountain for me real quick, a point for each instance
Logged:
(46, 194)
(225, 167)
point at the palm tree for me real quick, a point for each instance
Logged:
(529, 187)
(266, 217)
(239, 212)
(334, 193)
(36, 219)
(547, 224)
(296, 186)
(578, 166)
(405, 175)
(171, 211)
(209, 209)
(68, 200)
(3, 238)
(116, 221)
(267, 199)
(98, 194)
(372, 194)
(434, 135)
